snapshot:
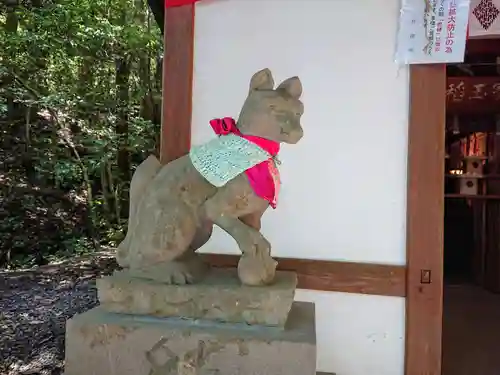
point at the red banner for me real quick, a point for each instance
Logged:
(178, 3)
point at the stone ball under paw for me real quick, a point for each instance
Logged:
(256, 270)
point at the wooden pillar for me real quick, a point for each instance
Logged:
(425, 220)
(177, 82)
(491, 255)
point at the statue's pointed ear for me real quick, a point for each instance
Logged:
(292, 86)
(262, 80)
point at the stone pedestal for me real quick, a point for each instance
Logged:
(99, 342)
(219, 327)
(220, 297)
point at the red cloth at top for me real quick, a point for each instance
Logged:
(178, 3)
(263, 177)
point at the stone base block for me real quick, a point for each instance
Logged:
(219, 297)
(99, 342)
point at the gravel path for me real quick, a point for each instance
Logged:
(34, 307)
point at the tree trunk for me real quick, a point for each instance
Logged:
(11, 25)
(123, 66)
(147, 104)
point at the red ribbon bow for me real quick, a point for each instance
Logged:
(227, 125)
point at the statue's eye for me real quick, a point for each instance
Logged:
(272, 106)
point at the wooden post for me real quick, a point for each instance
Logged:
(177, 82)
(425, 219)
(491, 254)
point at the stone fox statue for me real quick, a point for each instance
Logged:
(173, 207)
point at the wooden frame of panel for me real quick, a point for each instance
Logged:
(421, 280)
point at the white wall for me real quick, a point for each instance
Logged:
(344, 184)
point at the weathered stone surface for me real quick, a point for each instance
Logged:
(99, 342)
(220, 297)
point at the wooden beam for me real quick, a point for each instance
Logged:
(347, 277)
(473, 95)
(425, 219)
(489, 46)
(177, 82)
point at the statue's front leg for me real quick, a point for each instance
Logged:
(234, 200)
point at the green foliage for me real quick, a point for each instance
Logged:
(79, 109)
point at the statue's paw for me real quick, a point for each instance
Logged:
(257, 245)
(177, 272)
(189, 271)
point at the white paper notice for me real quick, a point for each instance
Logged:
(432, 31)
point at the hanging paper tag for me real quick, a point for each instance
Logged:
(432, 31)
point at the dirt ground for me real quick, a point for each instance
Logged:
(34, 307)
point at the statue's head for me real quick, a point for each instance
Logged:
(272, 113)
